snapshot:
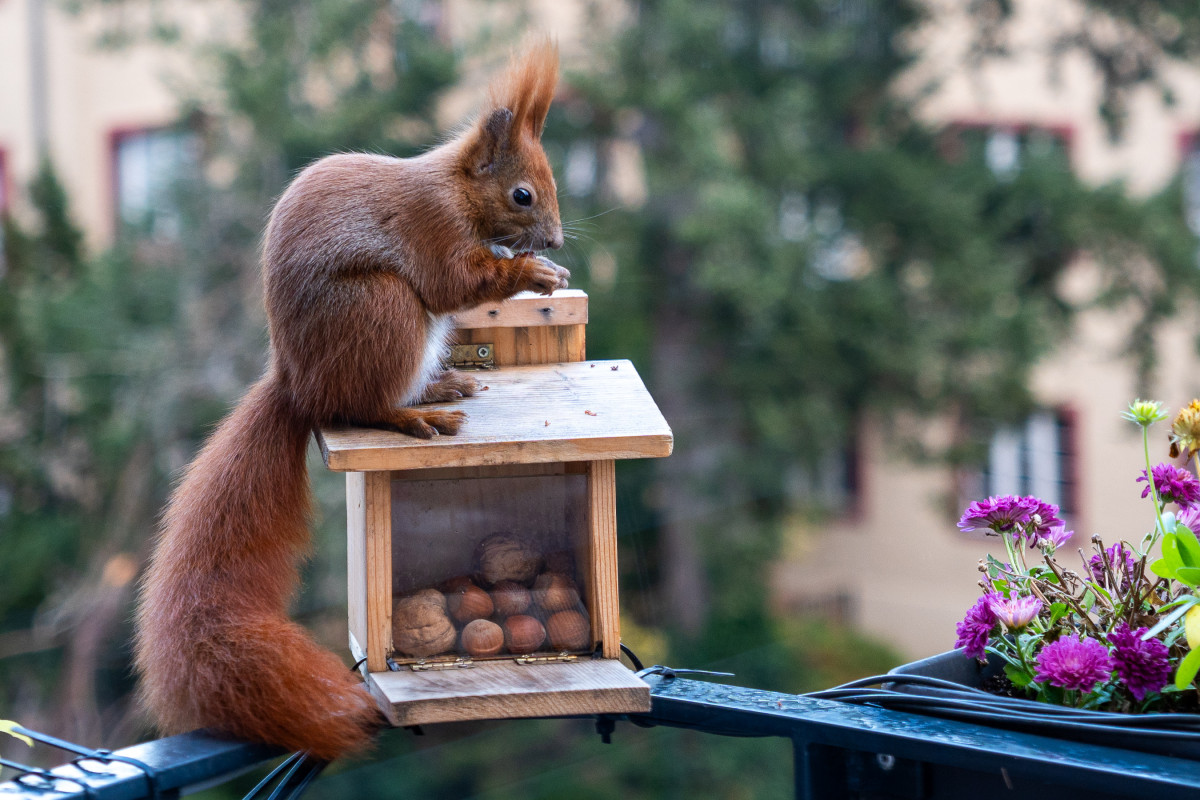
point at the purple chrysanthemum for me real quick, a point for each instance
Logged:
(1000, 514)
(1022, 517)
(1074, 663)
(1016, 612)
(977, 626)
(1120, 561)
(1174, 485)
(1141, 664)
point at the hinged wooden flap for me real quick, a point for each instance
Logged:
(506, 690)
(583, 411)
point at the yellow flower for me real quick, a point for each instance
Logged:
(1185, 430)
(1191, 627)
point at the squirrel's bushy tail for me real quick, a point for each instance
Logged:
(215, 647)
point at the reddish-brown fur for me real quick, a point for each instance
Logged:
(363, 257)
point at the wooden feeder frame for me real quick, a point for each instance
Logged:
(545, 411)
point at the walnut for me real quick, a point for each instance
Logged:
(504, 557)
(420, 625)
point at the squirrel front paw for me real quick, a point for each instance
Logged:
(543, 276)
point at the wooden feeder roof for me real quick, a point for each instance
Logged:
(581, 411)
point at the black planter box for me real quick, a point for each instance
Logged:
(1164, 734)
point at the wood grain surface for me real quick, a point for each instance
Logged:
(527, 310)
(507, 690)
(584, 411)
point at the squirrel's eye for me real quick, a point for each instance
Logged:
(522, 197)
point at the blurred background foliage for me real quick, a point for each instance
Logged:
(805, 253)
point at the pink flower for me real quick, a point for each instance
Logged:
(1073, 662)
(1016, 612)
(1056, 537)
(1190, 517)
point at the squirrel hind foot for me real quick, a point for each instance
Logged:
(450, 385)
(425, 423)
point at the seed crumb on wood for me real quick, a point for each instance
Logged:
(614, 367)
(590, 413)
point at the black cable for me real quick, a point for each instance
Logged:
(973, 704)
(637, 662)
(290, 761)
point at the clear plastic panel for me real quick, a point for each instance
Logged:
(490, 567)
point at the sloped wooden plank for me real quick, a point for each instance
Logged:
(584, 411)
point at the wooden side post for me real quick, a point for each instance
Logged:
(602, 531)
(369, 553)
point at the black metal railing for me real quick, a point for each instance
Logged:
(840, 750)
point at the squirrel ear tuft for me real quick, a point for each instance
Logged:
(527, 86)
(490, 138)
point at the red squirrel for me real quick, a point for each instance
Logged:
(364, 258)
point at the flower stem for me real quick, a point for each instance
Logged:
(1158, 520)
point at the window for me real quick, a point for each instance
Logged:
(833, 484)
(4, 201)
(148, 167)
(1037, 457)
(1190, 173)
(1005, 149)
(4, 190)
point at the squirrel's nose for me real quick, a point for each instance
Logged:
(556, 241)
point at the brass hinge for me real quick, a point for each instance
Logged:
(473, 356)
(462, 662)
(557, 659)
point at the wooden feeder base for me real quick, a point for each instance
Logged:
(506, 690)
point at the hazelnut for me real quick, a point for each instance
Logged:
(555, 592)
(523, 634)
(569, 630)
(420, 626)
(454, 584)
(482, 638)
(469, 603)
(504, 557)
(510, 597)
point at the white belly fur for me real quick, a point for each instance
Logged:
(437, 335)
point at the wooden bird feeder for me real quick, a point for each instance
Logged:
(483, 566)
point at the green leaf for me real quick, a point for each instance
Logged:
(1057, 612)
(1170, 551)
(1162, 569)
(1187, 670)
(1168, 620)
(1089, 600)
(9, 727)
(1189, 547)
(1018, 675)
(1188, 575)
